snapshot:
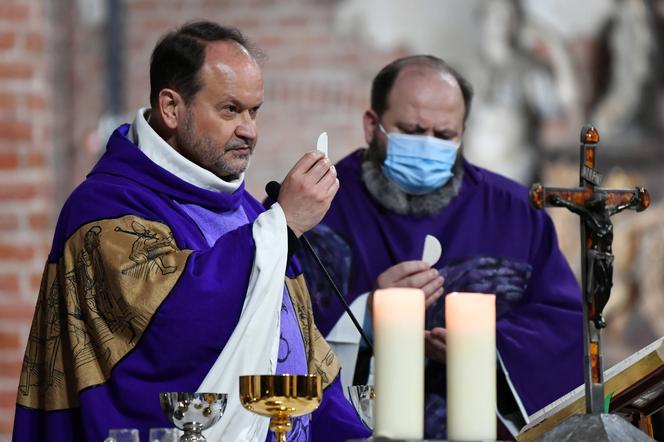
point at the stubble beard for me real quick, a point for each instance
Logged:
(210, 155)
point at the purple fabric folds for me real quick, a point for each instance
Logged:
(191, 326)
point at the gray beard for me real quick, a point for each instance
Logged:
(391, 197)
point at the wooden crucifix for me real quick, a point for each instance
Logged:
(595, 206)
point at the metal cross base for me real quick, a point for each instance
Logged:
(595, 428)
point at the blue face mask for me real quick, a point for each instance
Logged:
(418, 164)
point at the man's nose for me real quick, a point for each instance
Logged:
(247, 126)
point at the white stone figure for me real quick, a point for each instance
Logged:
(631, 46)
(515, 91)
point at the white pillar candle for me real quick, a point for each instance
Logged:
(470, 319)
(398, 320)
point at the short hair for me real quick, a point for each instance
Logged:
(384, 81)
(178, 56)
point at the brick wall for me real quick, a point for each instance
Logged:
(26, 182)
(53, 95)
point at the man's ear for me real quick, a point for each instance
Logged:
(171, 106)
(370, 123)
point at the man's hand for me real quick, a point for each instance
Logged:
(414, 274)
(307, 191)
(435, 344)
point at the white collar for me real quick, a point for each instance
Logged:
(165, 156)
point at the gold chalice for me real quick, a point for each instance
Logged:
(280, 397)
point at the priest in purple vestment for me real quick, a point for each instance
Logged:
(412, 181)
(165, 275)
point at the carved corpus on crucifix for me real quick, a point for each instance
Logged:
(595, 205)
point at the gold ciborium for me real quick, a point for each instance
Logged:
(280, 397)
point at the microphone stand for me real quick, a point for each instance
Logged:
(359, 328)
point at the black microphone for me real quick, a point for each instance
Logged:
(272, 189)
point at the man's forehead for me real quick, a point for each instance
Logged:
(426, 97)
(228, 58)
(425, 86)
(419, 73)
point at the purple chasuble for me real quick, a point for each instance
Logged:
(291, 358)
(493, 241)
(179, 272)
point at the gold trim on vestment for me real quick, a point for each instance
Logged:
(320, 357)
(94, 305)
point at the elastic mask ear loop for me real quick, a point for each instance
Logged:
(382, 129)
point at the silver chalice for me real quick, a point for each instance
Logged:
(193, 412)
(362, 397)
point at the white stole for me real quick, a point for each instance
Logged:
(253, 347)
